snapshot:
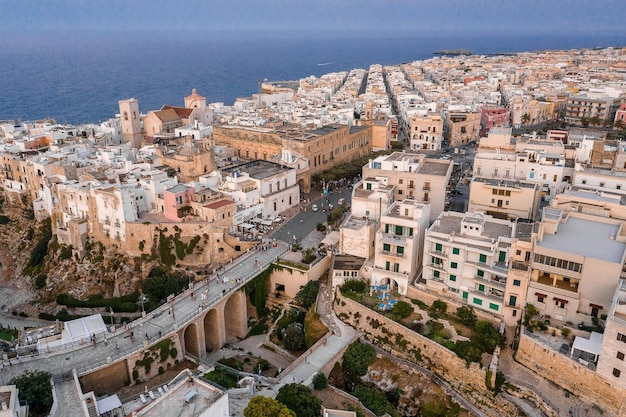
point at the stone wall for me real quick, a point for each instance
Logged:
(108, 379)
(570, 375)
(414, 346)
(148, 361)
(404, 343)
(293, 278)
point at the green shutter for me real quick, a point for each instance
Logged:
(517, 282)
(400, 249)
(502, 256)
(436, 274)
(512, 300)
(410, 231)
(399, 230)
(386, 247)
(477, 301)
(465, 295)
(452, 277)
(481, 287)
(480, 273)
(453, 265)
(387, 265)
(483, 258)
(494, 306)
(456, 251)
(438, 247)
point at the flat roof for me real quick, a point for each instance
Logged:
(587, 238)
(348, 262)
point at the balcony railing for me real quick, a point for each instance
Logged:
(426, 188)
(390, 253)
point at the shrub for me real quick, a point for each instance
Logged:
(438, 308)
(565, 332)
(293, 336)
(320, 227)
(466, 315)
(320, 381)
(40, 281)
(356, 360)
(308, 294)
(401, 310)
(353, 285)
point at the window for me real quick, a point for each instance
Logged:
(387, 266)
(465, 295)
(436, 274)
(512, 300)
(621, 337)
(493, 306)
(456, 251)
(438, 247)
(452, 277)
(453, 265)
(483, 258)
(540, 299)
(517, 283)
(481, 287)
(477, 301)
(616, 372)
(396, 267)
(386, 247)
(620, 356)
(400, 250)
(399, 230)
(480, 273)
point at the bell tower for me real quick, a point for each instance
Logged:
(131, 122)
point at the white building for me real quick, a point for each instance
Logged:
(398, 247)
(612, 362)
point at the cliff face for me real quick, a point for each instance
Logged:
(33, 260)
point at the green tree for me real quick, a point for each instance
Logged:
(261, 406)
(401, 310)
(619, 124)
(35, 388)
(525, 118)
(438, 308)
(438, 408)
(584, 121)
(320, 381)
(356, 360)
(308, 294)
(374, 400)
(293, 336)
(490, 337)
(595, 120)
(468, 350)
(300, 399)
(466, 315)
(160, 284)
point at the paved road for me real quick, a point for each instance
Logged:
(309, 218)
(87, 357)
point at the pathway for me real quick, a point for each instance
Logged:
(158, 324)
(68, 402)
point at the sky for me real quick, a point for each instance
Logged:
(318, 17)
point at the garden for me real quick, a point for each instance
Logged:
(460, 332)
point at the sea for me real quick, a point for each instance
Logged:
(80, 77)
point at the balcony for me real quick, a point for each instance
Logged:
(437, 253)
(390, 253)
(425, 199)
(495, 281)
(436, 266)
(487, 295)
(549, 289)
(497, 268)
(566, 287)
(426, 188)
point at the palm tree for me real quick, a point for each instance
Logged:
(594, 120)
(525, 118)
(584, 121)
(608, 123)
(619, 124)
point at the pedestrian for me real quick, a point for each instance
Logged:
(160, 334)
(147, 337)
(117, 347)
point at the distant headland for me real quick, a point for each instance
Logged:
(453, 52)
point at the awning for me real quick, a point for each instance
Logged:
(561, 300)
(538, 294)
(245, 225)
(109, 404)
(595, 306)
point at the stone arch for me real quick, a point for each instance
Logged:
(191, 340)
(391, 284)
(235, 317)
(212, 334)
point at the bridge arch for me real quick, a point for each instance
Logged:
(235, 316)
(191, 340)
(212, 330)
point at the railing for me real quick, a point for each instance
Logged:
(389, 253)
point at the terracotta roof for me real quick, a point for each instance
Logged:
(220, 203)
(167, 115)
(182, 112)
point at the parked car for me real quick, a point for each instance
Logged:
(456, 192)
(314, 207)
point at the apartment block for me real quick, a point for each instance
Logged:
(467, 257)
(577, 263)
(612, 360)
(462, 127)
(398, 247)
(504, 199)
(414, 176)
(425, 132)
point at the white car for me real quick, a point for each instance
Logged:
(314, 207)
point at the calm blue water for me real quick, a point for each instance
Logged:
(80, 79)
